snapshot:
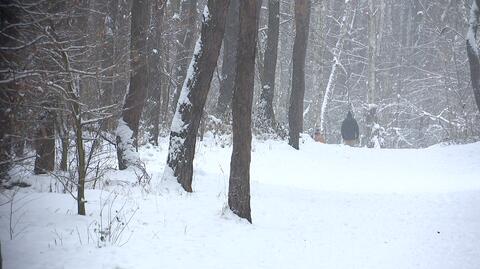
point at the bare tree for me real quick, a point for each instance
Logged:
(127, 130)
(345, 26)
(239, 183)
(194, 94)
(472, 50)
(295, 112)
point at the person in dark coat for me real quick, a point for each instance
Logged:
(350, 132)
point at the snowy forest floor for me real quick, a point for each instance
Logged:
(325, 206)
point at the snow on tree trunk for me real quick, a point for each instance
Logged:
(127, 130)
(230, 41)
(266, 114)
(326, 98)
(239, 183)
(295, 111)
(184, 42)
(472, 50)
(194, 93)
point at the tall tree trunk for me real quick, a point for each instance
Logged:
(266, 113)
(295, 112)
(45, 144)
(81, 161)
(73, 99)
(76, 87)
(7, 98)
(127, 131)
(239, 183)
(371, 115)
(320, 49)
(230, 41)
(107, 84)
(155, 65)
(166, 82)
(19, 133)
(472, 50)
(64, 160)
(372, 44)
(194, 94)
(185, 38)
(8, 92)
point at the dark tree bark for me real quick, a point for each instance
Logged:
(194, 94)
(266, 113)
(72, 98)
(230, 41)
(155, 65)
(8, 91)
(107, 84)
(19, 128)
(185, 42)
(45, 144)
(166, 82)
(472, 51)
(137, 91)
(239, 183)
(7, 100)
(64, 160)
(295, 112)
(81, 161)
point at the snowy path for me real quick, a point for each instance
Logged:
(326, 206)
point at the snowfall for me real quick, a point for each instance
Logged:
(324, 206)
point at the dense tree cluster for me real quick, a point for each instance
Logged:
(83, 77)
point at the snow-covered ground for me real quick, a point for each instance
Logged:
(325, 206)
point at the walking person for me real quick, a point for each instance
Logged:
(350, 132)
